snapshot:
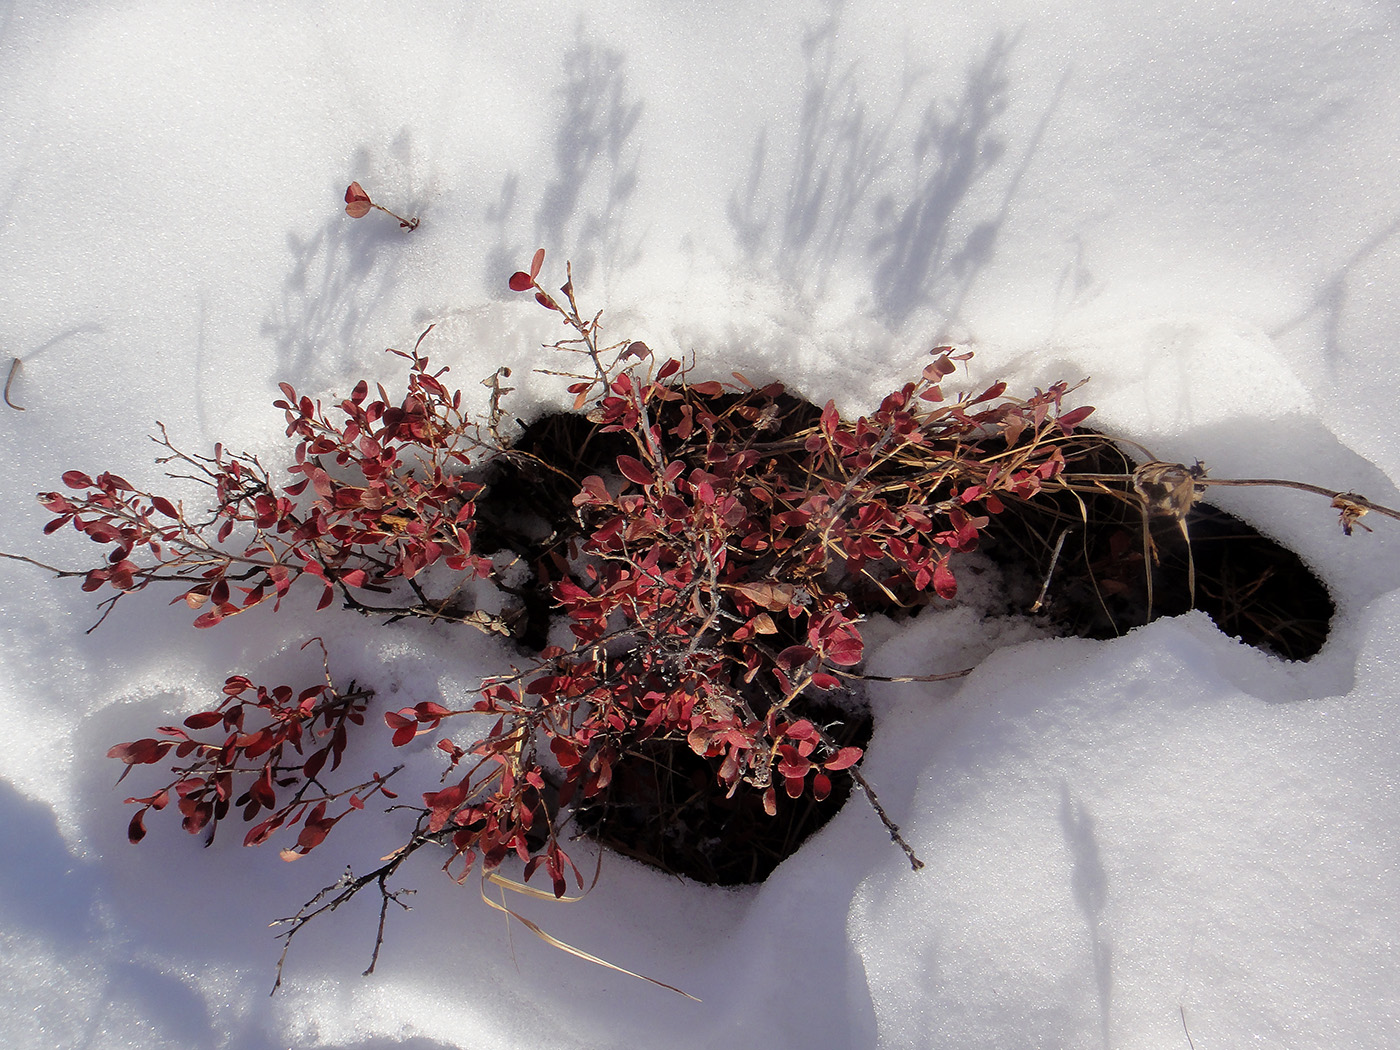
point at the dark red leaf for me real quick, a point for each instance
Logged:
(314, 764)
(520, 281)
(565, 752)
(794, 656)
(429, 711)
(634, 470)
(536, 263)
(76, 479)
(141, 751)
(262, 791)
(1073, 418)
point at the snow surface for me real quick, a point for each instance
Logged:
(1193, 201)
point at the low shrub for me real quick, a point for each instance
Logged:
(691, 578)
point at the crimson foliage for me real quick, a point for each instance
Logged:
(706, 583)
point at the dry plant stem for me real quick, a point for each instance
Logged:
(407, 224)
(106, 605)
(14, 371)
(1189, 1041)
(914, 862)
(348, 887)
(59, 573)
(946, 676)
(1050, 572)
(1206, 482)
(1302, 486)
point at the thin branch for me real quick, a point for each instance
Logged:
(914, 862)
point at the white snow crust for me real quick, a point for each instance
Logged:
(1192, 203)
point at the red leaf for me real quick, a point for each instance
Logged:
(136, 830)
(164, 506)
(1072, 419)
(327, 596)
(260, 833)
(405, 729)
(794, 656)
(316, 829)
(357, 202)
(536, 263)
(204, 720)
(261, 791)
(520, 281)
(354, 578)
(76, 479)
(634, 470)
(428, 711)
(140, 752)
(943, 581)
(843, 759)
(314, 764)
(565, 752)
(845, 646)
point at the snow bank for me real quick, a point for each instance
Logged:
(1193, 203)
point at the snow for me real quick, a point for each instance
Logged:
(1192, 203)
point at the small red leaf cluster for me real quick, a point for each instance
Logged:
(265, 759)
(711, 577)
(357, 202)
(358, 205)
(379, 495)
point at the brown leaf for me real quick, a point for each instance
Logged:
(769, 595)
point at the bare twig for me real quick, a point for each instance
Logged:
(914, 862)
(1050, 572)
(345, 889)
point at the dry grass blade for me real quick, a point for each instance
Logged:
(555, 942)
(14, 371)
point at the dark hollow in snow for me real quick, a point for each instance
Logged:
(665, 806)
